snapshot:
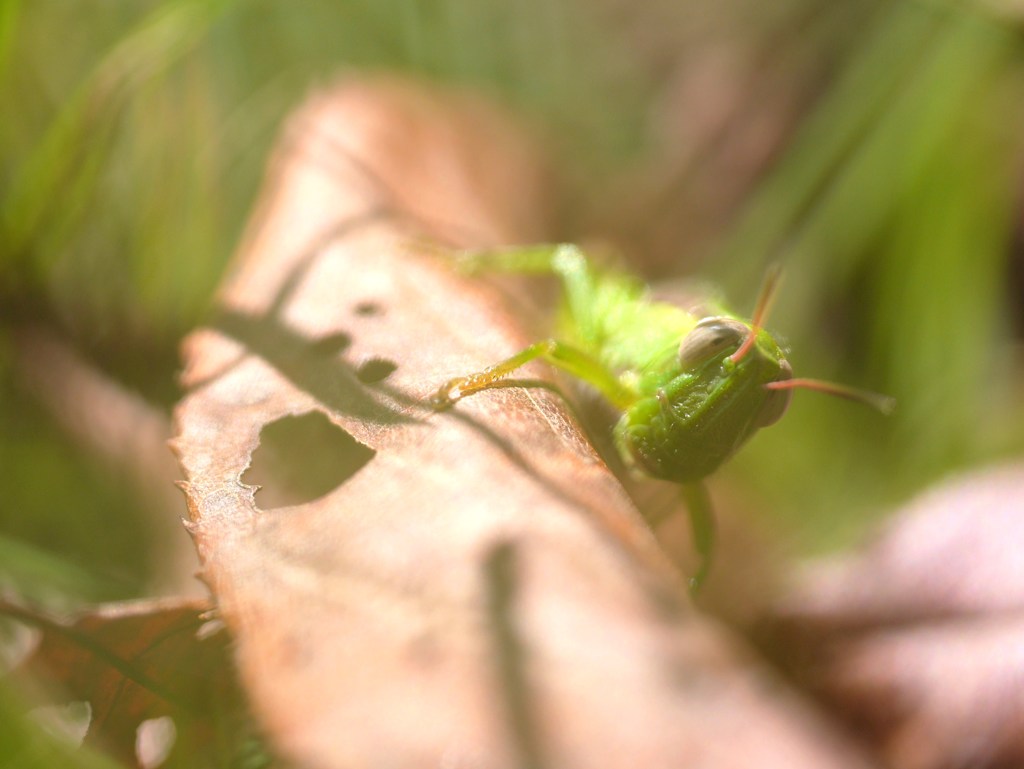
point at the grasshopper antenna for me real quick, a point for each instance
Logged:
(769, 290)
(765, 298)
(883, 403)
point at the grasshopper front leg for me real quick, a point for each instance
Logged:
(564, 356)
(702, 525)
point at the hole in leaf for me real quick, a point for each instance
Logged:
(303, 458)
(375, 370)
(153, 741)
(368, 309)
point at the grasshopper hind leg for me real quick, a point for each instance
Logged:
(571, 266)
(565, 261)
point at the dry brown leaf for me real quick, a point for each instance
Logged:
(476, 590)
(133, 662)
(920, 637)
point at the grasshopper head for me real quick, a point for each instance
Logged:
(709, 403)
(731, 378)
(725, 343)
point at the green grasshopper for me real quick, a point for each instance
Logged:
(691, 390)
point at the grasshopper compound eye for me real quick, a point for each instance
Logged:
(709, 338)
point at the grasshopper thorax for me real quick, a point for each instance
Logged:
(706, 403)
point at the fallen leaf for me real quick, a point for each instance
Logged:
(133, 662)
(476, 590)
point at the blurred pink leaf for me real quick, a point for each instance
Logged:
(919, 638)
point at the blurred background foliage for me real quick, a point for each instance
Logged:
(872, 147)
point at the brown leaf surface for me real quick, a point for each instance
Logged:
(920, 637)
(132, 662)
(475, 590)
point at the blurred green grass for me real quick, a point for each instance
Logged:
(134, 136)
